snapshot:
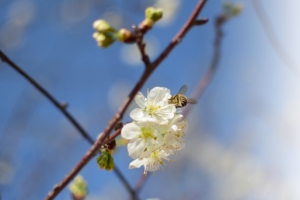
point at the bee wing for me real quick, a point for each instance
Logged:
(192, 101)
(183, 90)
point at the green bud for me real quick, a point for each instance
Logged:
(103, 26)
(125, 35)
(237, 9)
(153, 14)
(106, 161)
(231, 9)
(78, 188)
(102, 160)
(104, 39)
(146, 25)
(110, 164)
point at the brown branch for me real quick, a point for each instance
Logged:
(179, 36)
(62, 107)
(118, 116)
(141, 45)
(203, 83)
(200, 22)
(272, 37)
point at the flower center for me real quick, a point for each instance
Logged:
(155, 156)
(151, 109)
(147, 133)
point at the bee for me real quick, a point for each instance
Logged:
(180, 100)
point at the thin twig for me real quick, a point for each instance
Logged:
(273, 39)
(200, 22)
(203, 83)
(62, 108)
(148, 71)
(141, 45)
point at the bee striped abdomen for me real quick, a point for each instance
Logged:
(183, 101)
(180, 100)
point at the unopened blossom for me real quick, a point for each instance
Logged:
(155, 107)
(151, 163)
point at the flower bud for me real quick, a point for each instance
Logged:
(126, 36)
(110, 163)
(237, 9)
(106, 161)
(146, 25)
(231, 9)
(153, 14)
(102, 160)
(104, 39)
(103, 26)
(78, 188)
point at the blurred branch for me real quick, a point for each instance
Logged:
(272, 37)
(118, 116)
(62, 108)
(200, 22)
(203, 83)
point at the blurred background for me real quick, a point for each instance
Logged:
(243, 139)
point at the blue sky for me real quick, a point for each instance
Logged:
(244, 133)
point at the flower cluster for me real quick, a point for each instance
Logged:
(156, 132)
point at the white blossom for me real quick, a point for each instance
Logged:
(156, 132)
(155, 107)
(142, 136)
(151, 163)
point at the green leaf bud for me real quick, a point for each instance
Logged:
(146, 25)
(104, 39)
(106, 161)
(231, 9)
(103, 26)
(110, 163)
(126, 36)
(153, 14)
(237, 9)
(78, 188)
(102, 160)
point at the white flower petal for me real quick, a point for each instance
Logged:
(140, 100)
(170, 108)
(130, 131)
(136, 148)
(167, 111)
(137, 163)
(158, 94)
(137, 114)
